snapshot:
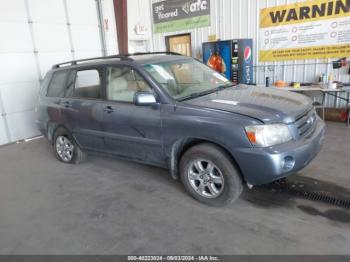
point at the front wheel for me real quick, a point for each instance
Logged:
(210, 176)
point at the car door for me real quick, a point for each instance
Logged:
(131, 131)
(82, 107)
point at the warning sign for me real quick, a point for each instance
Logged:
(305, 30)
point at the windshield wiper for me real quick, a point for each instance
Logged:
(224, 86)
(194, 95)
(207, 92)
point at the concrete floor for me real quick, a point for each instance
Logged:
(108, 206)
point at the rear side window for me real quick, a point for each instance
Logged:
(58, 84)
(87, 84)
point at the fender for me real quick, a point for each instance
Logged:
(180, 147)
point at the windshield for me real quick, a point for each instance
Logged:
(185, 79)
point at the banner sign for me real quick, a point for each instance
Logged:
(176, 15)
(305, 30)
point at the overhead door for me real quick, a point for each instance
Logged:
(35, 34)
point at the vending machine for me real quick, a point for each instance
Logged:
(233, 58)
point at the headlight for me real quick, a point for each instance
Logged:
(268, 135)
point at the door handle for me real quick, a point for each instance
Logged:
(108, 109)
(66, 104)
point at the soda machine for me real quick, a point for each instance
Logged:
(232, 58)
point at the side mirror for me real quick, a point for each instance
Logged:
(144, 98)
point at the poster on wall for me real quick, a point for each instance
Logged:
(176, 15)
(305, 30)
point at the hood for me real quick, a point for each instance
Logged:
(268, 105)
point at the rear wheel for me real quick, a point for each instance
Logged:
(66, 149)
(210, 176)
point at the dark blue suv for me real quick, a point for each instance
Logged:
(174, 112)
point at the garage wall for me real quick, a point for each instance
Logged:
(240, 19)
(139, 26)
(35, 34)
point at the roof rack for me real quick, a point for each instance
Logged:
(75, 62)
(153, 53)
(122, 57)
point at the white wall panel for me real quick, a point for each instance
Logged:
(51, 37)
(37, 34)
(84, 54)
(13, 10)
(48, 11)
(3, 137)
(86, 38)
(17, 39)
(17, 67)
(22, 125)
(3, 124)
(82, 12)
(19, 97)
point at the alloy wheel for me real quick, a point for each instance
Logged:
(205, 178)
(64, 148)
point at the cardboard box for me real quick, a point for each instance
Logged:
(334, 114)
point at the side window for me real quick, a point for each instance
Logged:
(87, 84)
(123, 83)
(70, 84)
(57, 84)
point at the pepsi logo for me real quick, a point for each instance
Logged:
(247, 54)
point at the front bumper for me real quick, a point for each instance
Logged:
(264, 165)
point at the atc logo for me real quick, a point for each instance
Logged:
(247, 54)
(195, 6)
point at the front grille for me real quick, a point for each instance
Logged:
(306, 122)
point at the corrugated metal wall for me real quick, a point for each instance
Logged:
(240, 19)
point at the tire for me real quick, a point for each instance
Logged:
(62, 139)
(202, 181)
